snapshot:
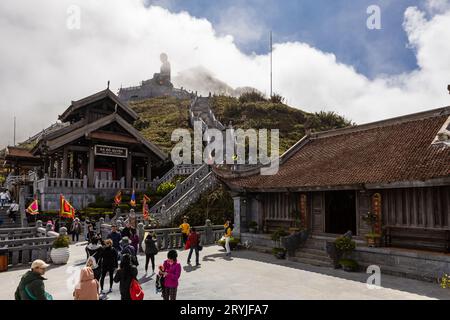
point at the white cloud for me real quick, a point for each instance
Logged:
(43, 65)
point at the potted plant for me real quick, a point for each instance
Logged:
(252, 226)
(60, 251)
(278, 251)
(344, 247)
(373, 238)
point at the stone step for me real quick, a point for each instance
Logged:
(313, 251)
(261, 249)
(310, 261)
(312, 256)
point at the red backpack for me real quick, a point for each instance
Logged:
(136, 291)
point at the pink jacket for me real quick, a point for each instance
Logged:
(87, 288)
(174, 272)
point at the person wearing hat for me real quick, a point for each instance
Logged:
(31, 286)
(127, 248)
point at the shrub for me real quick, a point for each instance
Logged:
(349, 264)
(345, 244)
(252, 96)
(277, 235)
(277, 98)
(61, 242)
(165, 188)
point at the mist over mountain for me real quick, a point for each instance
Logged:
(204, 81)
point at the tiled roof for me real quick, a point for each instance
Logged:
(389, 151)
(18, 153)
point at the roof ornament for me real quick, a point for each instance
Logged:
(108, 84)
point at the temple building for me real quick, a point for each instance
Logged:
(397, 168)
(96, 152)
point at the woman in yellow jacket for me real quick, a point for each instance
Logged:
(228, 230)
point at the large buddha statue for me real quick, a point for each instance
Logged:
(163, 78)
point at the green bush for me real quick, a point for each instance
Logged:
(349, 264)
(277, 235)
(165, 188)
(345, 244)
(252, 96)
(61, 242)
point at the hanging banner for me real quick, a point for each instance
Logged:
(376, 208)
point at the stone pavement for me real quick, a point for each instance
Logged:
(246, 275)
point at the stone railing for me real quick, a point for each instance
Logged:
(110, 184)
(23, 245)
(180, 190)
(171, 238)
(47, 182)
(167, 215)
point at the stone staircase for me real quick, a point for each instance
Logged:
(313, 252)
(201, 180)
(6, 220)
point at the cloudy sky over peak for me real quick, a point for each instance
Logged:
(325, 58)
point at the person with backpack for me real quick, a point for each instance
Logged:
(13, 210)
(127, 248)
(31, 286)
(109, 263)
(170, 271)
(88, 287)
(150, 251)
(75, 229)
(194, 243)
(125, 276)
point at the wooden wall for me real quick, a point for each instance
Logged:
(417, 207)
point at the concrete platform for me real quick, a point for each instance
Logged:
(246, 275)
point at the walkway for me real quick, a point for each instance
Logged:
(246, 275)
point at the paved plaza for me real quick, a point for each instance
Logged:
(246, 275)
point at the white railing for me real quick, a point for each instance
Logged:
(109, 184)
(47, 182)
(180, 189)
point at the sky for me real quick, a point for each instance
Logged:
(325, 56)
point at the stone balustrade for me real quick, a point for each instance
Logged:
(171, 238)
(180, 190)
(23, 245)
(110, 184)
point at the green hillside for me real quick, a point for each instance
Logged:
(160, 116)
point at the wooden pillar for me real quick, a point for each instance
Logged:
(128, 171)
(91, 166)
(51, 166)
(149, 169)
(65, 163)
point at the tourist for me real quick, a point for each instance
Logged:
(2, 198)
(126, 273)
(109, 263)
(13, 210)
(194, 242)
(185, 230)
(87, 287)
(150, 251)
(115, 236)
(134, 239)
(127, 248)
(50, 223)
(94, 250)
(228, 231)
(91, 233)
(31, 286)
(171, 271)
(8, 196)
(75, 229)
(126, 232)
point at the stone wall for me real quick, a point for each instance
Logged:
(419, 265)
(49, 201)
